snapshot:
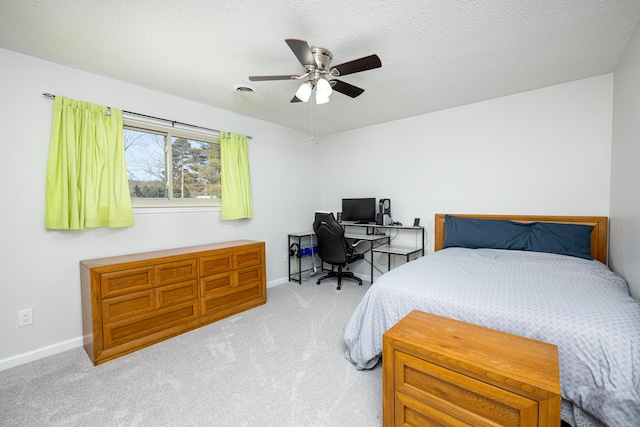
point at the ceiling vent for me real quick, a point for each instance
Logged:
(242, 88)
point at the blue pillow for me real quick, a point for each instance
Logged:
(484, 233)
(474, 233)
(564, 239)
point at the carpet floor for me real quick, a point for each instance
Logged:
(280, 364)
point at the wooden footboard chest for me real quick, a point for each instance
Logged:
(132, 301)
(443, 372)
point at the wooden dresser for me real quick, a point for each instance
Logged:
(443, 372)
(132, 301)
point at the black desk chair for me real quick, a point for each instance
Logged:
(333, 248)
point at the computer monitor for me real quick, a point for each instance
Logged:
(361, 210)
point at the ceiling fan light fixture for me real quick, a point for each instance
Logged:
(321, 98)
(323, 88)
(304, 91)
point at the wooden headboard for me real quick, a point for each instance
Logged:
(598, 235)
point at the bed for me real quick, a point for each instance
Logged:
(543, 277)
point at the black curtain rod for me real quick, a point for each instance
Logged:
(173, 122)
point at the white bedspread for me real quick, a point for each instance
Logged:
(579, 305)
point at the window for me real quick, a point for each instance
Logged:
(171, 167)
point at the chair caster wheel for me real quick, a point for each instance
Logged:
(318, 282)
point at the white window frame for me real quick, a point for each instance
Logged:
(155, 126)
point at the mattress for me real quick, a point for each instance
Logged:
(579, 305)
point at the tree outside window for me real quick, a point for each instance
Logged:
(170, 168)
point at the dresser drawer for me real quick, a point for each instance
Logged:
(460, 396)
(223, 262)
(128, 305)
(411, 412)
(178, 271)
(133, 304)
(250, 276)
(231, 281)
(216, 283)
(124, 331)
(246, 286)
(247, 258)
(217, 304)
(126, 281)
(216, 264)
(176, 293)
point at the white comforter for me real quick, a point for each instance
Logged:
(579, 305)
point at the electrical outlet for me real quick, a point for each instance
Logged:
(25, 317)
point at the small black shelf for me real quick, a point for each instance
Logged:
(299, 242)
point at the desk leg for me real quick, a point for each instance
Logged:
(371, 251)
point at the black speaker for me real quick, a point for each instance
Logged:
(339, 217)
(384, 210)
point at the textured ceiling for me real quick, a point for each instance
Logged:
(435, 54)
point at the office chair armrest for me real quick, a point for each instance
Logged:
(356, 243)
(352, 254)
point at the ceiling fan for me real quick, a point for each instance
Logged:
(319, 75)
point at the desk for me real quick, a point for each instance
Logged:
(404, 251)
(373, 239)
(389, 249)
(299, 238)
(372, 235)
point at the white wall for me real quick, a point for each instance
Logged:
(624, 254)
(40, 267)
(540, 152)
(545, 151)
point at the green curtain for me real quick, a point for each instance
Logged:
(236, 179)
(86, 173)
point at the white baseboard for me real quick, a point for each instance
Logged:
(277, 282)
(21, 359)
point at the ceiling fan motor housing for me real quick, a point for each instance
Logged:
(322, 57)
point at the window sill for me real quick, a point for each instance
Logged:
(175, 209)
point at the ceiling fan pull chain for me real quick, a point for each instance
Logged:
(314, 123)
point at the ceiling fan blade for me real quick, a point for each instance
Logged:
(302, 51)
(346, 88)
(357, 65)
(280, 77)
(296, 99)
